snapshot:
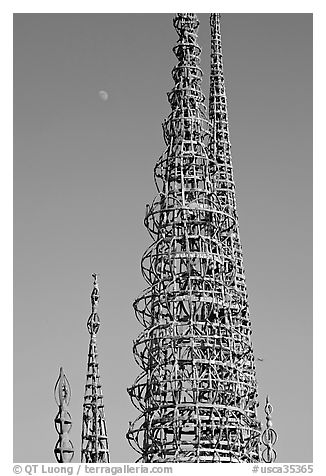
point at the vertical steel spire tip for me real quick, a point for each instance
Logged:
(93, 322)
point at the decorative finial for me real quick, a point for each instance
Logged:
(269, 436)
(93, 322)
(64, 450)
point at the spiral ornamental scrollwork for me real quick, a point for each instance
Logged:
(64, 450)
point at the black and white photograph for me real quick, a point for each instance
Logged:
(162, 238)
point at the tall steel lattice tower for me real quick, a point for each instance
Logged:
(197, 392)
(239, 365)
(95, 446)
(220, 148)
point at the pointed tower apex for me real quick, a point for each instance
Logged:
(93, 322)
(185, 22)
(95, 293)
(94, 275)
(62, 391)
(95, 446)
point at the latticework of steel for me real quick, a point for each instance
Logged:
(220, 148)
(95, 446)
(64, 450)
(197, 393)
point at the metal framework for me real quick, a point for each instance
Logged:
(95, 446)
(220, 148)
(64, 450)
(241, 355)
(197, 393)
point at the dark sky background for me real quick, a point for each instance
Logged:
(83, 172)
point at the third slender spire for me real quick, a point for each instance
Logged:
(95, 446)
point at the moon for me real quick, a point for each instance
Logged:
(103, 95)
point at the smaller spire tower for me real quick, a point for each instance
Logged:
(64, 450)
(268, 437)
(95, 446)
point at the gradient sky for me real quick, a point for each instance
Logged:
(83, 172)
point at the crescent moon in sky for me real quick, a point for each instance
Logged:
(103, 95)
